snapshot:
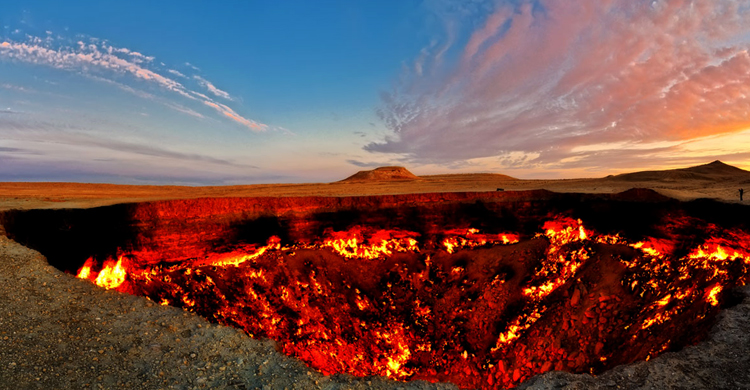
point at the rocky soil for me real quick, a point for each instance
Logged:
(60, 332)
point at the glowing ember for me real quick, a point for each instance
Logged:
(482, 310)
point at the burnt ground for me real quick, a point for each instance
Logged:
(60, 332)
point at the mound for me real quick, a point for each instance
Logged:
(382, 174)
(715, 171)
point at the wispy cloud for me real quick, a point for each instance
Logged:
(176, 73)
(45, 138)
(211, 88)
(100, 60)
(367, 164)
(541, 78)
(9, 111)
(15, 87)
(153, 151)
(229, 113)
(184, 110)
(12, 150)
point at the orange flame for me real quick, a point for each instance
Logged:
(352, 244)
(112, 275)
(85, 271)
(472, 238)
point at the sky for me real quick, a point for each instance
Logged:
(219, 93)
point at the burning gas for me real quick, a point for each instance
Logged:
(477, 309)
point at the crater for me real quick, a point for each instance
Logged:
(483, 290)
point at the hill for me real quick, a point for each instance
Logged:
(715, 171)
(382, 174)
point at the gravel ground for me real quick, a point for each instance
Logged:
(58, 332)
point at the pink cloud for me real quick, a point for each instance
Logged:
(545, 77)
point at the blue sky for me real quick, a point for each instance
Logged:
(251, 92)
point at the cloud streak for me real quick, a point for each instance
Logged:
(44, 138)
(100, 60)
(176, 73)
(211, 88)
(542, 78)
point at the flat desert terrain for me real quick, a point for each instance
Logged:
(715, 180)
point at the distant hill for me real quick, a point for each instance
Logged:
(715, 171)
(382, 174)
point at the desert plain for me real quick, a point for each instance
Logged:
(715, 180)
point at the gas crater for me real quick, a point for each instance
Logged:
(483, 290)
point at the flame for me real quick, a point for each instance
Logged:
(516, 328)
(85, 271)
(382, 243)
(712, 295)
(471, 238)
(558, 269)
(235, 259)
(112, 275)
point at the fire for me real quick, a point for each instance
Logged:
(471, 238)
(238, 257)
(516, 328)
(85, 271)
(479, 309)
(111, 276)
(712, 295)
(654, 247)
(352, 244)
(558, 268)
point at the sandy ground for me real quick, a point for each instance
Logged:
(60, 332)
